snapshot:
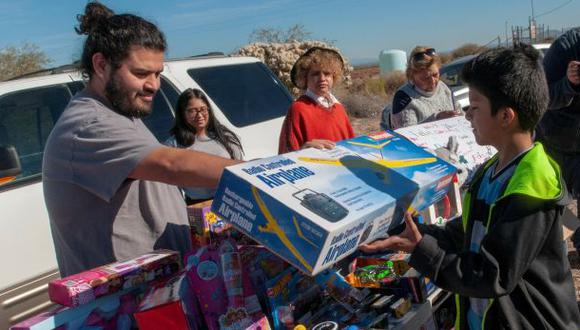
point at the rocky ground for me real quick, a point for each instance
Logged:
(369, 125)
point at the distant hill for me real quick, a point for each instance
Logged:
(364, 61)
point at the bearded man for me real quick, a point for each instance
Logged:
(110, 187)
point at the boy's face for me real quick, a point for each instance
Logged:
(486, 127)
(319, 80)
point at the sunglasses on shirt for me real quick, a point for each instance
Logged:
(421, 55)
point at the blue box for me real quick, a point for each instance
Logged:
(314, 207)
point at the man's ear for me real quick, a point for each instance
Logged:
(100, 65)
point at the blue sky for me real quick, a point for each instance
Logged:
(361, 29)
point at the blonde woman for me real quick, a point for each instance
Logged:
(424, 97)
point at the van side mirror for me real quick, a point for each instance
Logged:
(9, 164)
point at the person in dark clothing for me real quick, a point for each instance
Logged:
(559, 129)
(505, 259)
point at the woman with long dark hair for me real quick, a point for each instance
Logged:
(196, 128)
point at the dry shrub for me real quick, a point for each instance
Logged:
(280, 57)
(374, 86)
(392, 82)
(445, 57)
(359, 105)
(467, 49)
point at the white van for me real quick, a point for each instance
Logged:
(245, 96)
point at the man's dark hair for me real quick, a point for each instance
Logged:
(511, 77)
(114, 35)
(185, 133)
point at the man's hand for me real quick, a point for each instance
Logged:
(406, 241)
(573, 72)
(319, 144)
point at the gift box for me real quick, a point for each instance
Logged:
(167, 316)
(315, 207)
(108, 313)
(431, 176)
(82, 288)
(161, 301)
(205, 224)
(223, 288)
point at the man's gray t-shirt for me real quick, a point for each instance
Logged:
(97, 214)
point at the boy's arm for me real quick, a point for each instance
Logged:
(507, 251)
(450, 236)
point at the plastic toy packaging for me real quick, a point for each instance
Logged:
(375, 275)
(84, 287)
(375, 272)
(223, 288)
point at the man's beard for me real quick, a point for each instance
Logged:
(122, 101)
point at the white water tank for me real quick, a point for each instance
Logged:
(391, 60)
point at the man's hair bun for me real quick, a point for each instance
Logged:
(96, 14)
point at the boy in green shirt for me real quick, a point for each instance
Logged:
(506, 260)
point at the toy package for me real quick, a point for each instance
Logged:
(339, 289)
(436, 134)
(223, 288)
(294, 298)
(261, 266)
(85, 287)
(206, 226)
(389, 274)
(315, 207)
(110, 312)
(169, 303)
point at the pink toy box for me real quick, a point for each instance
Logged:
(82, 288)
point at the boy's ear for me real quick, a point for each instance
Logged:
(508, 117)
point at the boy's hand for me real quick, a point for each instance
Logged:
(406, 241)
(573, 72)
(319, 144)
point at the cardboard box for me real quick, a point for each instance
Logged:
(315, 207)
(436, 134)
(432, 177)
(166, 316)
(109, 312)
(167, 291)
(82, 288)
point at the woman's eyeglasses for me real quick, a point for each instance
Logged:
(419, 56)
(195, 111)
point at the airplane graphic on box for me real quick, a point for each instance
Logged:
(314, 207)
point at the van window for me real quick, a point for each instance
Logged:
(246, 93)
(160, 120)
(26, 119)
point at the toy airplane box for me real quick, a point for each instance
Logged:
(314, 207)
(432, 176)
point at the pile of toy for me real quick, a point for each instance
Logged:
(278, 248)
(230, 282)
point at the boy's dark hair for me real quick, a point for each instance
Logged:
(185, 133)
(511, 77)
(114, 35)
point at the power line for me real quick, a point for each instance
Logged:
(552, 10)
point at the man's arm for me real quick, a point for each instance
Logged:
(181, 167)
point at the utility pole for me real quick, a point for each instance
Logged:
(506, 35)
